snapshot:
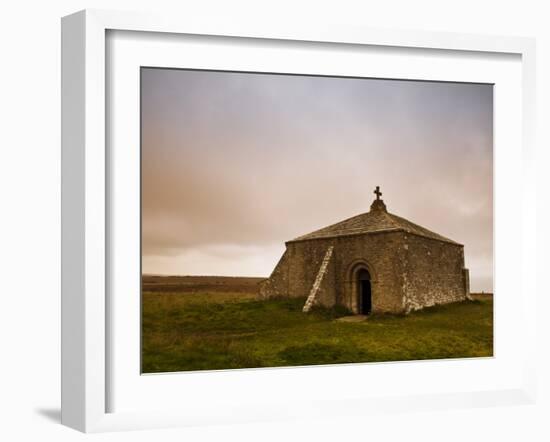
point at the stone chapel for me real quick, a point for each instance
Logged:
(376, 262)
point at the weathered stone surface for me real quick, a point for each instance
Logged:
(409, 266)
(320, 289)
(433, 273)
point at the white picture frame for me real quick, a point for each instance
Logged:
(86, 204)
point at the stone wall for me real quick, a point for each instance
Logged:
(323, 289)
(327, 290)
(433, 272)
(408, 272)
(296, 271)
(377, 252)
(277, 283)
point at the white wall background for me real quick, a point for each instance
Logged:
(30, 215)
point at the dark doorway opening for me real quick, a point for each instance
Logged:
(365, 293)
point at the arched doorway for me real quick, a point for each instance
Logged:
(364, 292)
(361, 283)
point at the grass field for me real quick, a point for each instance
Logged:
(209, 323)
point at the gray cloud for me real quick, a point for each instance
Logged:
(235, 164)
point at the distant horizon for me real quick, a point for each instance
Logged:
(145, 275)
(235, 164)
(200, 276)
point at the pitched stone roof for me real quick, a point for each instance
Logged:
(376, 220)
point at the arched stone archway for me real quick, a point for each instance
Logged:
(360, 283)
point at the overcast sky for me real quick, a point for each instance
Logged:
(235, 164)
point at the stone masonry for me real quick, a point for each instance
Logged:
(409, 266)
(312, 298)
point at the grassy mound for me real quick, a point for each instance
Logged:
(212, 330)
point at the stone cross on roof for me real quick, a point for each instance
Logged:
(377, 192)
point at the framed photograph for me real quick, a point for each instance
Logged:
(263, 223)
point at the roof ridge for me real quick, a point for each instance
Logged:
(374, 221)
(390, 216)
(422, 231)
(330, 226)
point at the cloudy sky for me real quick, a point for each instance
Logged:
(234, 164)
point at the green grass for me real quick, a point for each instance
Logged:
(209, 331)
